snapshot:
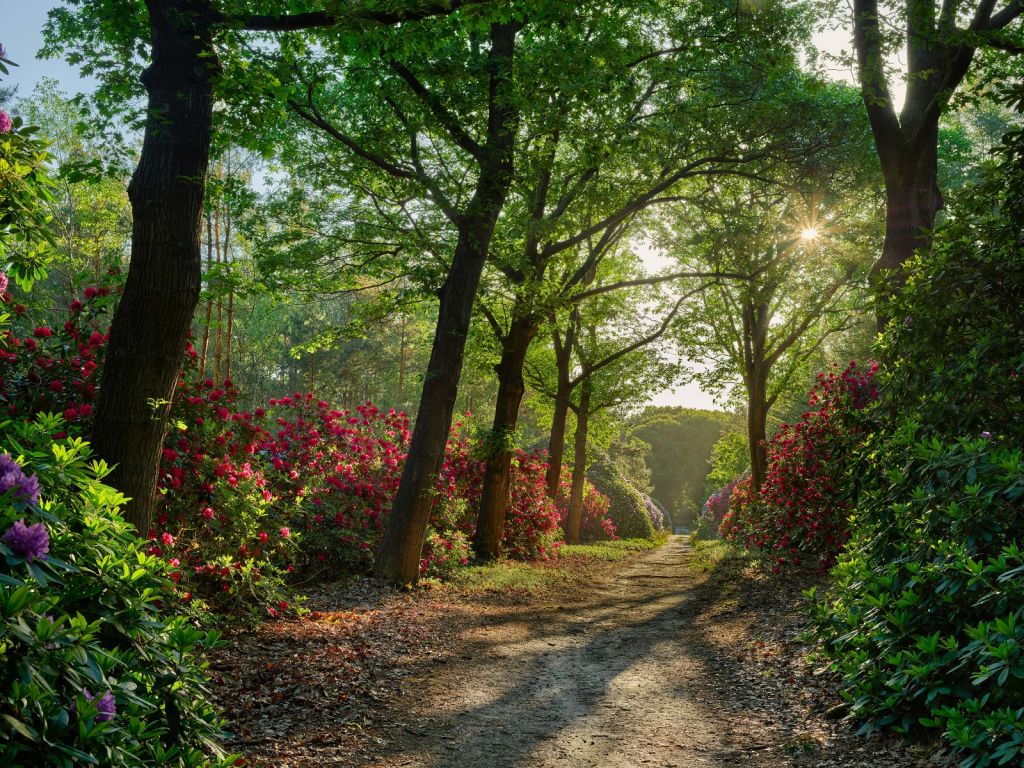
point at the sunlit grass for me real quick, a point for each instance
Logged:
(718, 555)
(610, 550)
(532, 578)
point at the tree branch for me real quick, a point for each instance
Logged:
(438, 110)
(354, 15)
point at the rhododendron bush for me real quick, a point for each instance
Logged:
(251, 494)
(595, 525)
(801, 511)
(716, 507)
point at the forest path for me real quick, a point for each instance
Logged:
(645, 670)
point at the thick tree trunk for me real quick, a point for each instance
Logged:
(490, 524)
(153, 317)
(579, 467)
(912, 202)
(399, 553)
(556, 444)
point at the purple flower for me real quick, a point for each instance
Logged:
(106, 705)
(12, 476)
(987, 435)
(5, 122)
(28, 541)
(3, 282)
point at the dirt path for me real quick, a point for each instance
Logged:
(652, 669)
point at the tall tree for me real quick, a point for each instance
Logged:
(799, 292)
(941, 40)
(604, 356)
(153, 317)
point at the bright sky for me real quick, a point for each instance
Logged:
(21, 23)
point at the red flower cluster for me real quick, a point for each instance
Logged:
(801, 512)
(251, 494)
(595, 525)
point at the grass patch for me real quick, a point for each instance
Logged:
(610, 550)
(508, 576)
(572, 565)
(718, 555)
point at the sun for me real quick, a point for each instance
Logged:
(809, 233)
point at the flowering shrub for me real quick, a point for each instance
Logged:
(91, 669)
(923, 624)
(444, 554)
(251, 495)
(595, 525)
(716, 508)
(655, 512)
(802, 509)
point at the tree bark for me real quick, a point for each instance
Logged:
(490, 523)
(574, 517)
(757, 418)
(563, 394)
(209, 301)
(399, 553)
(755, 316)
(152, 320)
(912, 201)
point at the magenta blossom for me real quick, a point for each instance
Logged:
(5, 122)
(28, 541)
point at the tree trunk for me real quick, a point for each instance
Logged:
(153, 318)
(755, 317)
(399, 553)
(757, 418)
(209, 300)
(218, 347)
(556, 444)
(912, 201)
(579, 467)
(490, 524)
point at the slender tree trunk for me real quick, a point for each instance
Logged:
(218, 347)
(153, 318)
(490, 524)
(402, 361)
(231, 294)
(209, 300)
(556, 444)
(755, 317)
(399, 553)
(579, 467)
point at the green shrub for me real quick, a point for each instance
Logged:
(94, 667)
(924, 623)
(626, 506)
(926, 619)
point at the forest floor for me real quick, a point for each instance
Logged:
(681, 656)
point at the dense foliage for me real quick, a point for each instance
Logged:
(924, 623)
(626, 508)
(97, 667)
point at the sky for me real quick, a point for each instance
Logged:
(21, 23)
